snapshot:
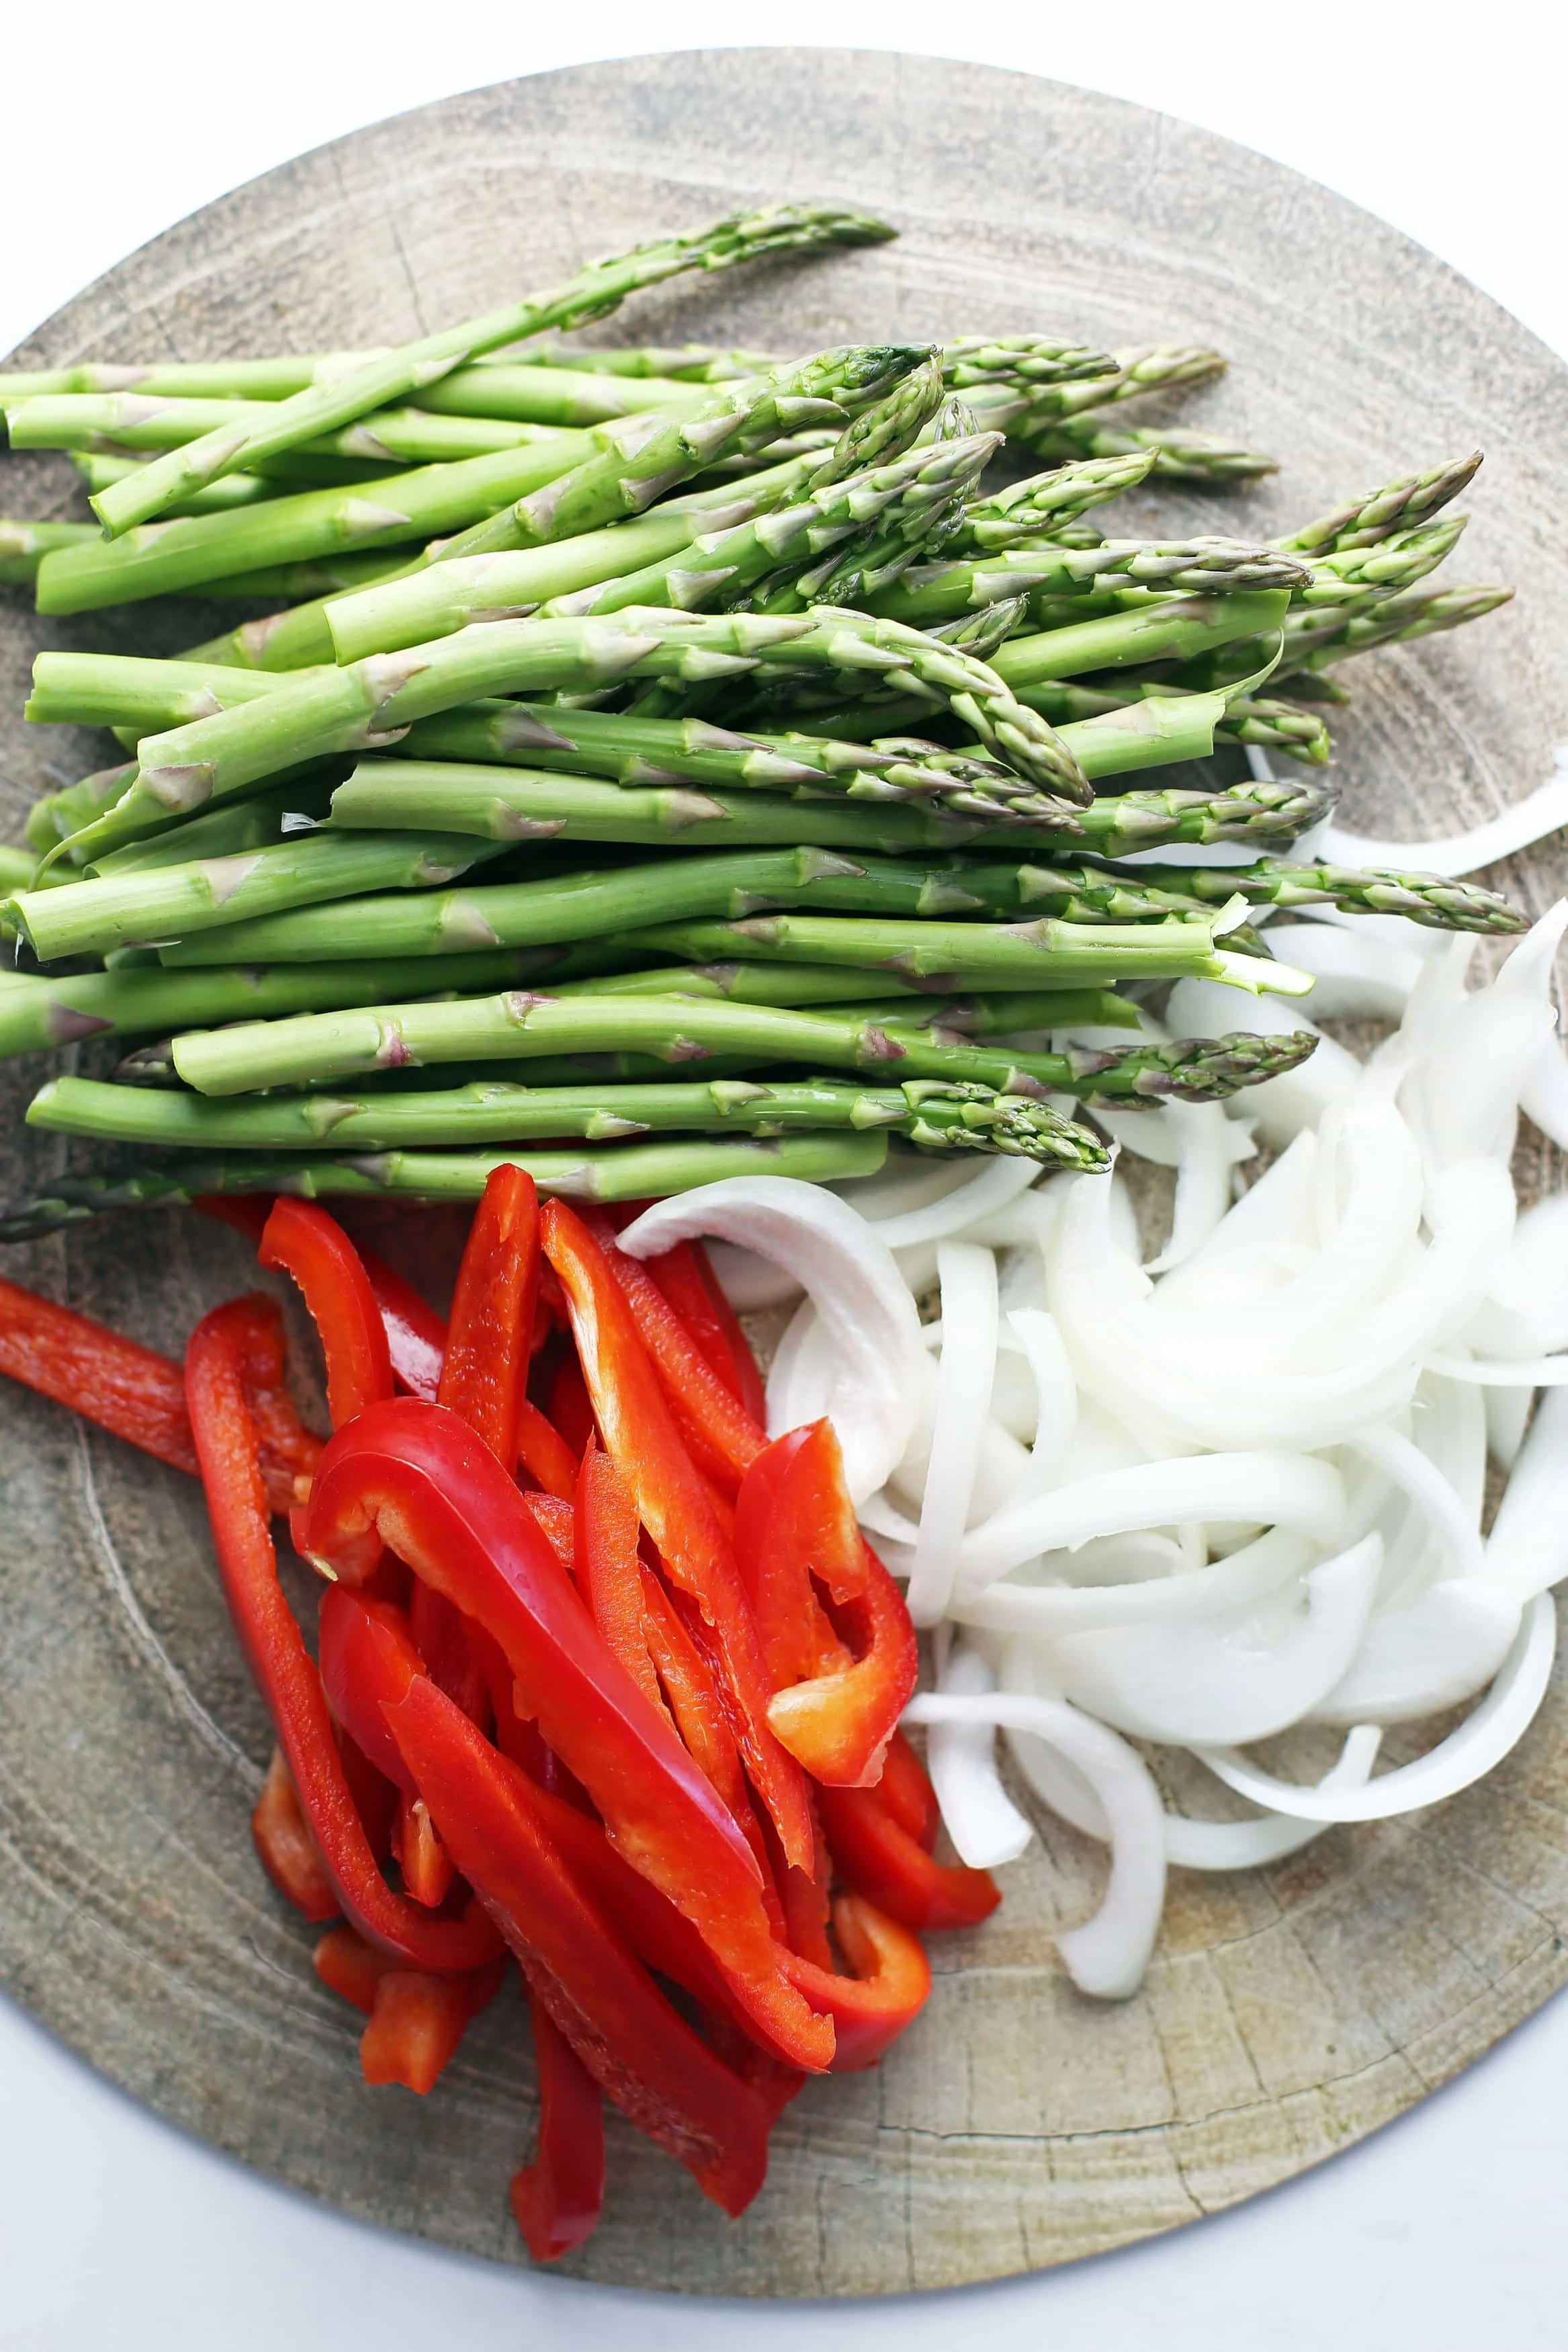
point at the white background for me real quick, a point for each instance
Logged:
(1446, 2231)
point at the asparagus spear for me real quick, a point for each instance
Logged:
(682, 1030)
(681, 363)
(905, 497)
(1025, 406)
(1178, 457)
(1248, 718)
(621, 1173)
(591, 294)
(939, 1117)
(1175, 628)
(800, 986)
(365, 705)
(934, 593)
(149, 903)
(39, 1011)
(119, 422)
(24, 545)
(1398, 505)
(1314, 641)
(1046, 503)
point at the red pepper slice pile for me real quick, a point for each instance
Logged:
(605, 1681)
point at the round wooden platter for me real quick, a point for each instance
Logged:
(1287, 2013)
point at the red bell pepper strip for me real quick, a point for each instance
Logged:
(559, 2197)
(720, 1434)
(426, 1864)
(215, 1363)
(416, 1334)
(285, 1846)
(247, 1213)
(440, 1635)
(417, 1476)
(313, 1247)
(375, 1797)
(554, 1520)
(907, 1794)
(834, 1708)
(609, 1567)
(643, 2055)
(880, 1860)
(417, 2020)
(545, 1453)
(121, 1385)
(687, 1280)
(569, 1407)
(889, 1989)
(486, 1367)
(641, 1436)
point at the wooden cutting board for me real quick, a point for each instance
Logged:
(1287, 2013)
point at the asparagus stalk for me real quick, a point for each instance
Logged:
(520, 389)
(257, 823)
(1274, 725)
(24, 545)
(1398, 506)
(682, 1030)
(367, 704)
(1364, 574)
(1101, 892)
(1025, 406)
(934, 593)
(1175, 629)
(1178, 457)
(904, 499)
(807, 984)
(52, 820)
(39, 1011)
(149, 903)
(939, 1117)
(131, 691)
(1315, 642)
(591, 294)
(681, 363)
(98, 470)
(117, 422)
(1046, 503)
(621, 1173)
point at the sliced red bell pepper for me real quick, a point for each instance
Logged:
(834, 1708)
(416, 1475)
(440, 1636)
(569, 1407)
(889, 1989)
(558, 2197)
(545, 1453)
(121, 1385)
(879, 1859)
(907, 1794)
(286, 1848)
(555, 1521)
(375, 1797)
(416, 1334)
(426, 1864)
(246, 1213)
(313, 1247)
(416, 2021)
(687, 1279)
(487, 1348)
(643, 2055)
(720, 1434)
(224, 1431)
(641, 1436)
(609, 1567)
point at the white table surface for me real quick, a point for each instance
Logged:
(1444, 2231)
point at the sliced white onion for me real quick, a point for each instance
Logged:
(1266, 1837)
(1430, 1493)
(1056, 1397)
(1210, 1145)
(1263, 1488)
(964, 1373)
(1507, 1418)
(995, 1184)
(1542, 812)
(751, 1282)
(1527, 1548)
(1180, 1682)
(1544, 1101)
(981, 1819)
(1281, 1107)
(1107, 1956)
(1480, 1743)
(1356, 978)
(1529, 1372)
(868, 1318)
(1252, 1572)
(1435, 1652)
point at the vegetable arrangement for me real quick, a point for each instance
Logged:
(666, 776)
(695, 730)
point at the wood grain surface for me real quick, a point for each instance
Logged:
(1287, 2013)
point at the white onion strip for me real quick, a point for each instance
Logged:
(985, 1825)
(1250, 1574)
(1107, 1956)
(1532, 1372)
(1541, 812)
(870, 1324)
(1425, 1486)
(1481, 1742)
(1263, 1489)
(964, 1373)
(1266, 1837)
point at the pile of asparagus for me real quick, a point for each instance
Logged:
(693, 728)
